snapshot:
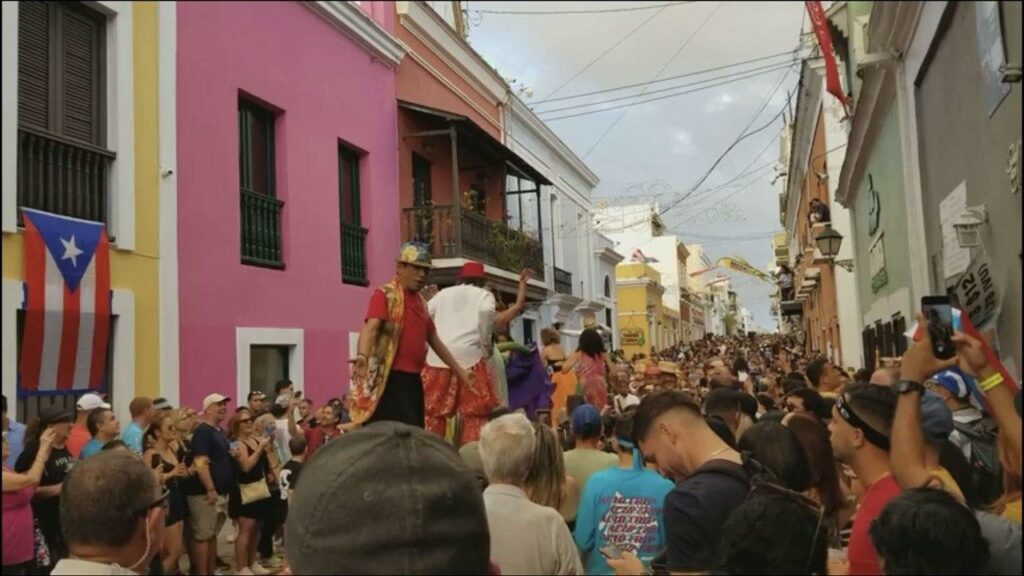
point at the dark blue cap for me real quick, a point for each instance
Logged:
(586, 421)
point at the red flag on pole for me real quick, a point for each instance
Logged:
(817, 14)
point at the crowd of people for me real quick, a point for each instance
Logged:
(733, 455)
(209, 468)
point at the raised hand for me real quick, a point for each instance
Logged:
(971, 353)
(48, 437)
(919, 362)
(525, 275)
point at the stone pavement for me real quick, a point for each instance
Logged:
(225, 550)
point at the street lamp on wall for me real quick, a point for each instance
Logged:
(829, 241)
(968, 227)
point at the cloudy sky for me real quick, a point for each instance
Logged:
(663, 147)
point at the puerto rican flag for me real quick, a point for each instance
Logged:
(67, 304)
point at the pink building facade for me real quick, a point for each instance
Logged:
(288, 205)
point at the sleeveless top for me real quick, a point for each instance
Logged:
(257, 472)
(167, 467)
(591, 368)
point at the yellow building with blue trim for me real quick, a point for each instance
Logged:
(89, 88)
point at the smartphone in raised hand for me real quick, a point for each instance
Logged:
(609, 551)
(938, 312)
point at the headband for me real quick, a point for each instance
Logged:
(873, 436)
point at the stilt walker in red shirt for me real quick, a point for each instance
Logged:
(386, 383)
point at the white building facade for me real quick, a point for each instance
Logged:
(636, 229)
(575, 260)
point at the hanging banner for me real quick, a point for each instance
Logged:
(67, 305)
(832, 84)
(738, 264)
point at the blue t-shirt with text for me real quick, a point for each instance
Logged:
(621, 508)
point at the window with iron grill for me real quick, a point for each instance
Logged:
(63, 163)
(260, 208)
(353, 235)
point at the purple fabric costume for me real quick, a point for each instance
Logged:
(528, 384)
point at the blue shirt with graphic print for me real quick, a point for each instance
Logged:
(621, 508)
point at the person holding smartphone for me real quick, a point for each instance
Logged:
(621, 508)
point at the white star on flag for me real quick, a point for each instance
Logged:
(71, 252)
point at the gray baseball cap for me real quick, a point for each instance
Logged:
(388, 499)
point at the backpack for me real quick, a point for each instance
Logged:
(751, 473)
(986, 471)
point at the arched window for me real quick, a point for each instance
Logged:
(607, 287)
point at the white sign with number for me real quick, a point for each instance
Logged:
(975, 292)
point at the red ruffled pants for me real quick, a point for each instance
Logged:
(444, 396)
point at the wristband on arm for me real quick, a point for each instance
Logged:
(991, 382)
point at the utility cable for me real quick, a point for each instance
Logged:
(767, 68)
(744, 134)
(791, 53)
(701, 196)
(564, 12)
(662, 97)
(656, 76)
(603, 54)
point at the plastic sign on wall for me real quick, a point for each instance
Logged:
(975, 292)
(631, 337)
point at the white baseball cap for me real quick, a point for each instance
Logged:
(90, 402)
(213, 399)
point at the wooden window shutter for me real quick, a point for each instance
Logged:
(81, 54)
(34, 23)
(348, 172)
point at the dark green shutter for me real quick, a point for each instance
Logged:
(353, 235)
(80, 54)
(260, 210)
(34, 22)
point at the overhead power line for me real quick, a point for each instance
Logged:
(603, 54)
(664, 96)
(766, 68)
(702, 195)
(564, 12)
(791, 53)
(656, 76)
(724, 154)
(744, 134)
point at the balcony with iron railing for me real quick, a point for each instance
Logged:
(62, 176)
(261, 229)
(472, 236)
(563, 281)
(353, 254)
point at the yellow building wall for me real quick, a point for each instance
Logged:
(632, 303)
(632, 312)
(135, 271)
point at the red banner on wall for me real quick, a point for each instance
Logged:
(832, 84)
